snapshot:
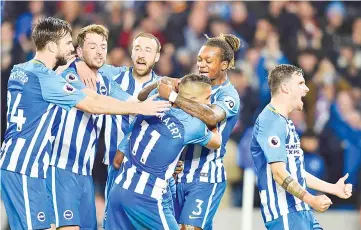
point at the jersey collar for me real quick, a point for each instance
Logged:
(153, 76)
(216, 87)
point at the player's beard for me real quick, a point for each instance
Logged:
(143, 72)
(60, 60)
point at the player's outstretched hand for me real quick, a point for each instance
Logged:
(321, 203)
(150, 107)
(86, 75)
(341, 189)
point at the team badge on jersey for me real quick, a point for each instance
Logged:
(68, 89)
(103, 90)
(71, 77)
(229, 101)
(274, 141)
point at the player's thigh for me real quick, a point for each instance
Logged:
(291, 221)
(88, 217)
(201, 203)
(313, 221)
(179, 199)
(26, 201)
(116, 217)
(149, 213)
(66, 192)
(112, 173)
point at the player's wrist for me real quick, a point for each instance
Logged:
(172, 96)
(308, 198)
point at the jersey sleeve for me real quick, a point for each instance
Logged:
(153, 92)
(71, 76)
(196, 132)
(57, 90)
(117, 92)
(114, 71)
(272, 139)
(229, 102)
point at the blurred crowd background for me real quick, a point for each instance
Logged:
(323, 38)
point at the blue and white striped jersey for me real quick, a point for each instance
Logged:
(117, 125)
(275, 139)
(34, 91)
(154, 147)
(76, 137)
(202, 164)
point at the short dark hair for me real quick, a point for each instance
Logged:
(228, 44)
(151, 36)
(195, 78)
(49, 29)
(279, 74)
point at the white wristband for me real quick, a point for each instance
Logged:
(173, 96)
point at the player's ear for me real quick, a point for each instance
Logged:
(52, 47)
(79, 52)
(157, 56)
(224, 65)
(284, 88)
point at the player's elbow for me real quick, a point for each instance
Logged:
(142, 96)
(278, 171)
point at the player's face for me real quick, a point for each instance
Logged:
(298, 89)
(65, 50)
(144, 55)
(209, 62)
(94, 50)
(205, 96)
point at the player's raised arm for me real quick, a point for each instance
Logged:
(339, 189)
(107, 105)
(143, 94)
(209, 114)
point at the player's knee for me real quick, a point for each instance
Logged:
(189, 227)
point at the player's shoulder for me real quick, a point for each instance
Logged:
(270, 118)
(70, 74)
(186, 119)
(33, 68)
(111, 71)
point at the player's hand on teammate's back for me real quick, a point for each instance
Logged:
(86, 75)
(320, 203)
(152, 108)
(341, 189)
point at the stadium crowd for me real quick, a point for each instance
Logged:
(322, 38)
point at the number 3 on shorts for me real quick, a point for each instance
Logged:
(199, 204)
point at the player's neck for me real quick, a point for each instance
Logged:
(95, 71)
(280, 105)
(219, 80)
(141, 79)
(44, 58)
